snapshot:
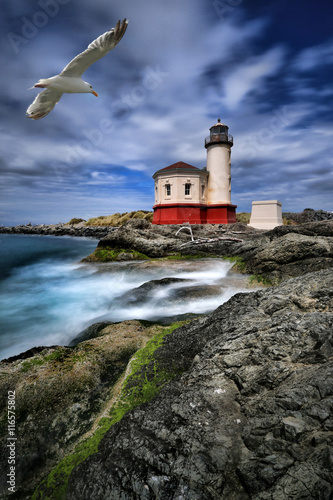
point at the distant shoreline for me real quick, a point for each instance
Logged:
(77, 230)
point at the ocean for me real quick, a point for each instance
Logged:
(47, 296)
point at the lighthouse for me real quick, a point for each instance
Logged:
(185, 193)
(218, 145)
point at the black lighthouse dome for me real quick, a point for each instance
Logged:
(219, 134)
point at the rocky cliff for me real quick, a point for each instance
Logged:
(63, 396)
(251, 416)
(234, 405)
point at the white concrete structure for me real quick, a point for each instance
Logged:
(266, 214)
(218, 145)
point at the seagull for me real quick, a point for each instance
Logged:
(69, 80)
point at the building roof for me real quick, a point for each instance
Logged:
(180, 165)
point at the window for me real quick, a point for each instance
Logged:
(187, 189)
(168, 190)
(202, 190)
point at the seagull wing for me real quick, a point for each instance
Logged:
(95, 51)
(43, 104)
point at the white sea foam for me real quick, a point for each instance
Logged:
(50, 301)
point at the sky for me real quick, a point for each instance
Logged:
(264, 67)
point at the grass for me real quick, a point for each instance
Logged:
(119, 219)
(57, 355)
(144, 383)
(75, 220)
(243, 217)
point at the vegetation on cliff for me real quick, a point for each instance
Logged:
(141, 381)
(67, 398)
(119, 219)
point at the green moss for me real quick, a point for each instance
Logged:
(239, 263)
(27, 365)
(146, 379)
(144, 382)
(60, 355)
(109, 254)
(179, 256)
(57, 355)
(262, 280)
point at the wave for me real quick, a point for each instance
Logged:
(51, 301)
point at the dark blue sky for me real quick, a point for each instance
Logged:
(264, 67)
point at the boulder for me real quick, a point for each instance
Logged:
(147, 291)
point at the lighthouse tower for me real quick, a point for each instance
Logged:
(184, 193)
(218, 145)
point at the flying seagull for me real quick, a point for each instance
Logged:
(69, 80)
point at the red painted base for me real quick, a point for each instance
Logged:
(221, 214)
(194, 214)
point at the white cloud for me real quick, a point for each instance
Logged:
(249, 76)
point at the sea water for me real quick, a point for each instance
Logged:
(47, 296)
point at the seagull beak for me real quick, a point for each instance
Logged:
(95, 93)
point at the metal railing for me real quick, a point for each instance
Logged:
(219, 138)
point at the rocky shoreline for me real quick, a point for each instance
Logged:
(234, 405)
(280, 253)
(78, 230)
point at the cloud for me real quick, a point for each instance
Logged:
(313, 57)
(249, 77)
(177, 69)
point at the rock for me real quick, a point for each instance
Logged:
(251, 416)
(167, 291)
(148, 291)
(283, 252)
(247, 412)
(308, 215)
(89, 333)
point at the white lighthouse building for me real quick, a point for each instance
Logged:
(184, 193)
